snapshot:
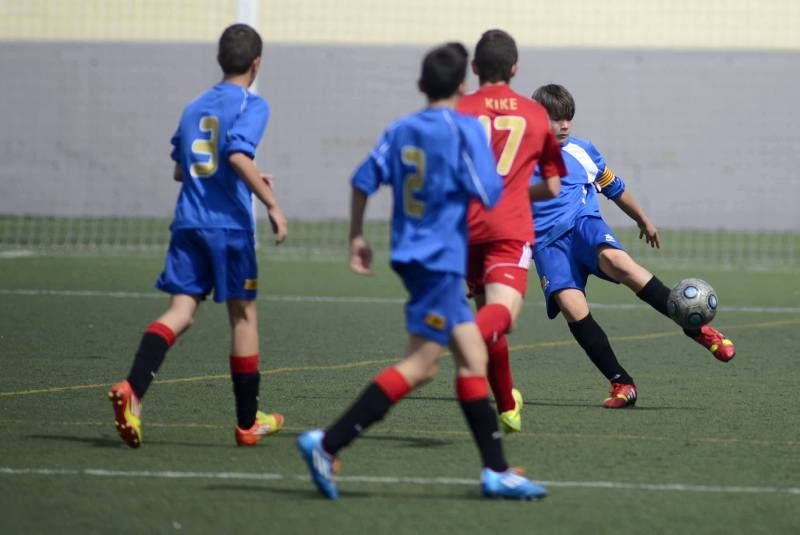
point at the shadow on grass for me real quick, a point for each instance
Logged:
(568, 403)
(408, 441)
(346, 493)
(105, 442)
(585, 405)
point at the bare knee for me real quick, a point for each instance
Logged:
(572, 303)
(180, 314)
(616, 263)
(241, 312)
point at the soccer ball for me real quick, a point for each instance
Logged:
(692, 303)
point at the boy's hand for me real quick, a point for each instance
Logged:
(360, 256)
(650, 234)
(280, 227)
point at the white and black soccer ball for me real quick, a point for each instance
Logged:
(692, 303)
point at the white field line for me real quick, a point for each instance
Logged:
(394, 480)
(351, 300)
(16, 253)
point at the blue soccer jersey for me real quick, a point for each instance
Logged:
(225, 119)
(587, 173)
(435, 161)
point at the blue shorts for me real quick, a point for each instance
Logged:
(568, 261)
(199, 260)
(436, 304)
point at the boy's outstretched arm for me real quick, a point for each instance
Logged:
(249, 173)
(627, 203)
(360, 250)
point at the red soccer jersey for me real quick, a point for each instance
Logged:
(520, 136)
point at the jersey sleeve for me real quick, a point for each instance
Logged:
(478, 165)
(607, 182)
(374, 170)
(246, 132)
(551, 162)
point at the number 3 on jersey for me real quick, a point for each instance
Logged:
(516, 129)
(413, 182)
(206, 147)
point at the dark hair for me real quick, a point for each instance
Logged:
(239, 45)
(495, 55)
(443, 69)
(556, 100)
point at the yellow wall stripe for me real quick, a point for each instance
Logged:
(664, 24)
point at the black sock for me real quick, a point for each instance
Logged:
(655, 294)
(245, 392)
(692, 332)
(482, 421)
(594, 341)
(370, 407)
(148, 359)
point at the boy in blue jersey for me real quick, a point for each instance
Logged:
(213, 243)
(435, 161)
(573, 241)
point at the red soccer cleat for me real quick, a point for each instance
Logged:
(621, 396)
(713, 340)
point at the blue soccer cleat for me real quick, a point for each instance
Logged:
(509, 485)
(321, 464)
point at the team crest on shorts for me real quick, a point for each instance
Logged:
(251, 284)
(544, 282)
(435, 321)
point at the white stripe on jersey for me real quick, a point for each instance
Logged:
(577, 152)
(245, 93)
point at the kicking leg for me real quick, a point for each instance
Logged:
(622, 268)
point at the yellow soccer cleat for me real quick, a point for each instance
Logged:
(127, 413)
(511, 421)
(265, 425)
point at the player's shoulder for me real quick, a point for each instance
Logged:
(254, 99)
(584, 144)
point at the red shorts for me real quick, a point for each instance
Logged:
(501, 261)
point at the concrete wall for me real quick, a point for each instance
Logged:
(706, 139)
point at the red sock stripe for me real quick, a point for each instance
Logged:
(493, 320)
(248, 364)
(393, 384)
(471, 388)
(163, 331)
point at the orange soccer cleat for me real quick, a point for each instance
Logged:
(265, 425)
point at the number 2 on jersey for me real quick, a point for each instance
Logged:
(206, 147)
(516, 129)
(413, 182)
